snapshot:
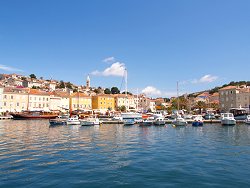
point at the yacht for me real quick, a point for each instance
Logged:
(73, 120)
(159, 121)
(247, 121)
(239, 113)
(179, 121)
(198, 121)
(227, 119)
(90, 121)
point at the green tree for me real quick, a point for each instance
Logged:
(61, 84)
(127, 93)
(123, 108)
(69, 85)
(107, 91)
(33, 76)
(183, 103)
(115, 90)
(97, 91)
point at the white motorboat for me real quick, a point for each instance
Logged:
(90, 121)
(198, 121)
(179, 121)
(74, 120)
(147, 122)
(227, 119)
(129, 122)
(247, 121)
(159, 121)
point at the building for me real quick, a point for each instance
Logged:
(234, 97)
(124, 100)
(14, 100)
(103, 102)
(88, 82)
(65, 100)
(146, 104)
(39, 100)
(80, 101)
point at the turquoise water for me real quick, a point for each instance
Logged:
(36, 155)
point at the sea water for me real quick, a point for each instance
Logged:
(33, 154)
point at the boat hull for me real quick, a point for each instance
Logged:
(197, 124)
(25, 117)
(228, 122)
(179, 123)
(57, 122)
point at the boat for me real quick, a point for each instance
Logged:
(129, 121)
(60, 120)
(209, 116)
(239, 113)
(147, 122)
(198, 121)
(159, 121)
(73, 120)
(34, 115)
(247, 120)
(179, 121)
(227, 119)
(90, 121)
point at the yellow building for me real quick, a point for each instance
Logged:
(103, 102)
(14, 100)
(80, 101)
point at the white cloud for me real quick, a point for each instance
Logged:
(205, 79)
(109, 60)
(116, 69)
(9, 69)
(150, 90)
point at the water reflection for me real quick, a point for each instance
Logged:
(109, 153)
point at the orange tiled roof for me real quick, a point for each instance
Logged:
(77, 94)
(228, 87)
(38, 92)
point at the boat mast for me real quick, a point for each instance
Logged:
(178, 105)
(126, 87)
(137, 101)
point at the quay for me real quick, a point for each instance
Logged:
(5, 117)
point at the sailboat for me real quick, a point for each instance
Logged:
(179, 121)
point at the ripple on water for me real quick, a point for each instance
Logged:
(36, 155)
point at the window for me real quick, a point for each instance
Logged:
(47, 105)
(17, 104)
(11, 97)
(4, 104)
(5, 96)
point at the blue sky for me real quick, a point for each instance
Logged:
(201, 44)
